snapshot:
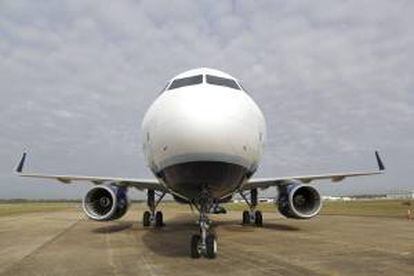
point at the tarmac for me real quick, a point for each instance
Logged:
(66, 243)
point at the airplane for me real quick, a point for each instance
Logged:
(203, 138)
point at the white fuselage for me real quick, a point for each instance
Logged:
(203, 124)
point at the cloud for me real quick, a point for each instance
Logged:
(334, 79)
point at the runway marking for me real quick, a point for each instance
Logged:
(110, 254)
(149, 267)
(42, 246)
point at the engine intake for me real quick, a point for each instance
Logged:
(299, 201)
(105, 202)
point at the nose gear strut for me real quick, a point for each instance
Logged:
(204, 243)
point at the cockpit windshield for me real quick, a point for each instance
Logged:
(222, 82)
(198, 79)
(177, 83)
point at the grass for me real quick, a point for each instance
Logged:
(381, 208)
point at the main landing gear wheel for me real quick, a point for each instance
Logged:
(146, 219)
(159, 219)
(152, 217)
(258, 220)
(195, 246)
(246, 217)
(255, 217)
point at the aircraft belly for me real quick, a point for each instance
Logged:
(190, 178)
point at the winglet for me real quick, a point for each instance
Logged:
(19, 168)
(381, 166)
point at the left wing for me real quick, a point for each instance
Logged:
(141, 184)
(264, 183)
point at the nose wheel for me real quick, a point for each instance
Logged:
(205, 243)
(211, 246)
(209, 249)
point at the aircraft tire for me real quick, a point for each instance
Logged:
(159, 221)
(258, 218)
(195, 250)
(211, 246)
(146, 219)
(246, 217)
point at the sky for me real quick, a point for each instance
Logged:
(335, 80)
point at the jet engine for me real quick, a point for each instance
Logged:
(106, 202)
(299, 201)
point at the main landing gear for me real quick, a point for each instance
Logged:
(152, 216)
(204, 243)
(252, 215)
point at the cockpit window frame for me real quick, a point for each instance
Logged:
(221, 81)
(186, 81)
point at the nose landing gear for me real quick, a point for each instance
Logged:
(205, 243)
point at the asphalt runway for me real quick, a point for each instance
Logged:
(65, 243)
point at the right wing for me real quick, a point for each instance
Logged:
(140, 184)
(264, 183)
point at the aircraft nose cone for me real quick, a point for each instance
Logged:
(205, 125)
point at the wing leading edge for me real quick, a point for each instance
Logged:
(264, 183)
(141, 184)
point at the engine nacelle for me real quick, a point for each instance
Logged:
(299, 201)
(105, 202)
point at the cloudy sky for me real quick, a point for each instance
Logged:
(335, 80)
